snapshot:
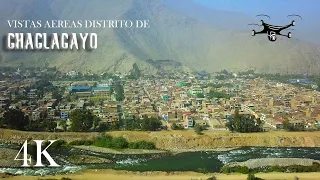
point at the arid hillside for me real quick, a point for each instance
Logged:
(172, 35)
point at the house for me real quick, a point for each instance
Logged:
(75, 89)
(32, 94)
(195, 90)
(101, 91)
(188, 122)
(4, 101)
(64, 114)
(104, 85)
(51, 114)
(36, 115)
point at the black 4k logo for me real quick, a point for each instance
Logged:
(272, 30)
(27, 159)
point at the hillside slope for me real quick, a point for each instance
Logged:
(171, 36)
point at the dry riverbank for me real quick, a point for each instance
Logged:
(183, 140)
(124, 175)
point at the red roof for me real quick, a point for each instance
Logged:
(279, 119)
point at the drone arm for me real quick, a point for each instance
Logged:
(282, 35)
(261, 32)
(286, 27)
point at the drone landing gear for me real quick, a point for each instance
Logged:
(253, 33)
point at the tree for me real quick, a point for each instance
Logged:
(96, 121)
(174, 126)
(200, 95)
(292, 127)
(15, 119)
(64, 125)
(118, 89)
(150, 124)
(244, 123)
(198, 129)
(132, 123)
(135, 73)
(251, 177)
(50, 126)
(213, 94)
(56, 95)
(81, 120)
(119, 143)
(102, 127)
(212, 178)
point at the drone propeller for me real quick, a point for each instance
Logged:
(252, 24)
(295, 15)
(264, 15)
(289, 29)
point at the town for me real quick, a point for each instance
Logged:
(180, 101)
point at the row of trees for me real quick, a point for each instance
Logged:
(81, 121)
(121, 143)
(244, 123)
(145, 124)
(16, 119)
(84, 121)
(215, 94)
(292, 127)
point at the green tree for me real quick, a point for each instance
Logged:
(198, 129)
(96, 122)
(132, 123)
(64, 125)
(244, 123)
(15, 119)
(119, 143)
(200, 95)
(212, 178)
(175, 126)
(253, 177)
(135, 73)
(118, 89)
(292, 127)
(57, 95)
(50, 126)
(213, 94)
(150, 124)
(81, 120)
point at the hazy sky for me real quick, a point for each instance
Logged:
(305, 8)
(308, 27)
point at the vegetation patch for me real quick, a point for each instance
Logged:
(293, 168)
(108, 141)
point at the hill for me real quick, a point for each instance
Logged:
(173, 35)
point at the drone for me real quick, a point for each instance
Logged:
(272, 30)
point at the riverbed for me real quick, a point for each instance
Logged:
(203, 161)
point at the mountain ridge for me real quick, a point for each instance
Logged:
(172, 35)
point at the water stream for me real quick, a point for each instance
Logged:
(189, 161)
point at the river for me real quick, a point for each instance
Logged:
(190, 161)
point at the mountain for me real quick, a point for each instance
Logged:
(173, 35)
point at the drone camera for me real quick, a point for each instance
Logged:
(253, 33)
